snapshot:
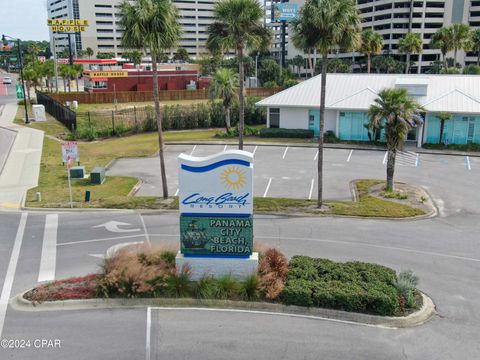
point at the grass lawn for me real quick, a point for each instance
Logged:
(108, 106)
(51, 126)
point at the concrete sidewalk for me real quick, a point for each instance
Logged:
(22, 167)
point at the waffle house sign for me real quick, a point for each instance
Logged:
(67, 25)
(216, 204)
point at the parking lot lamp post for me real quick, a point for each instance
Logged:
(4, 40)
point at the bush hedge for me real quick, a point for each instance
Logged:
(457, 147)
(286, 133)
(350, 286)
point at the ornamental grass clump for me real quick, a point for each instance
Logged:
(136, 274)
(405, 285)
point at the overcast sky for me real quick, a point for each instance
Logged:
(24, 19)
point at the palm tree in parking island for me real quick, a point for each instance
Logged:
(399, 113)
(329, 25)
(225, 84)
(153, 27)
(238, 25)
(411, 43)
(371, 44)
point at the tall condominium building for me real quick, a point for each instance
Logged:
(103, 35)
(395, 18)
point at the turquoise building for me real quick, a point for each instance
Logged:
(349, 96)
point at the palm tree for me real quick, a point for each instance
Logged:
(442, 40)
(238, 25)
(182, 55)
(77, 72)
(398, 113)
(475, 44)
(225, 84)
(65, 72)
(410, 44)
(460, 39)
(298, 61)
(304, 40)
(329, 25)
(443, 116)
(135, 57)
(372, 43)
(89, 52)
(153, 27)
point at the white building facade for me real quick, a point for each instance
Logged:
(349, 97)
(104, 33)
(394, 18)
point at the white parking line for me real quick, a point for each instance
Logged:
(350, 156)
(176, 192)
(191, 153)
(311, 190)
(417, 160)
(316, 156)
(268, 187)
(147, 237)
(149, 329)
(100, 240)
(469, 166)
(225, 148)
(385, 158)
(48, 258)
(285, 153)
(12, 267)
(254, 150)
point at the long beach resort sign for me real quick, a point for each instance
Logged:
(216, 204)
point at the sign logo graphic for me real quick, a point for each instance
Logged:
(233, 178)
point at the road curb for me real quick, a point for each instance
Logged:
(426, 312)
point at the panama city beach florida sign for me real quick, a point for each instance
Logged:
(216, 204)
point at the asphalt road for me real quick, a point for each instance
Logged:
(443, 251)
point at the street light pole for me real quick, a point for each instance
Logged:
(27, 121)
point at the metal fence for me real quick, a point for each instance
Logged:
(60, 112)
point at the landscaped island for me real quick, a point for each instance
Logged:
(303, 281)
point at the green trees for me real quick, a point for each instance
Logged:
(326, 25)
(475, 44)
(460, 37)
(238, 26)
(268, 71)
(152, 27)
(371, 44)
(89, 52)
(298, 61)
(443, 116)
(225, 85)
(182, 55)
(398, 113)
(442, 40)
(410, 44)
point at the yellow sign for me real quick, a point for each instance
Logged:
(68, 25)
(107, 74)
(68, 22)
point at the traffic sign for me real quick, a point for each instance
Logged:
(19, 90)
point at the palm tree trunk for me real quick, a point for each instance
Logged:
(455, 57)
(310, 63)
(445, 66)
(369, 62)
(442, 127)
(392, 153)
(76, 83)
(227, 118)
(240, 99)
(158, 115)
(478, 59)
(322, 126)
(407, 67)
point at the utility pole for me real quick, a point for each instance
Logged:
(283, 37)
(55, 64)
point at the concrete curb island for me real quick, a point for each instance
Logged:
(426, 312)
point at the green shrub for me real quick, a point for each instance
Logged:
(289, 83)
(228, 287)
(286, 133)
(206, 288)
(297, 292)
(330, 138)
(351, 286)
(270, 84)
(457, 147)
(405, 285)
(178, 284)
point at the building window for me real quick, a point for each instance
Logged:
(274, 116)
(102, 6)
(104, 14)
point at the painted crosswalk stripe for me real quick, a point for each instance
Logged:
(12, 267)
(48, 260)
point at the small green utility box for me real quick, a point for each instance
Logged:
(77, 172)
(97, 176)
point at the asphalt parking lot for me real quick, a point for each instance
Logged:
(291, 172)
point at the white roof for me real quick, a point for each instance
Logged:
(452, 93)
